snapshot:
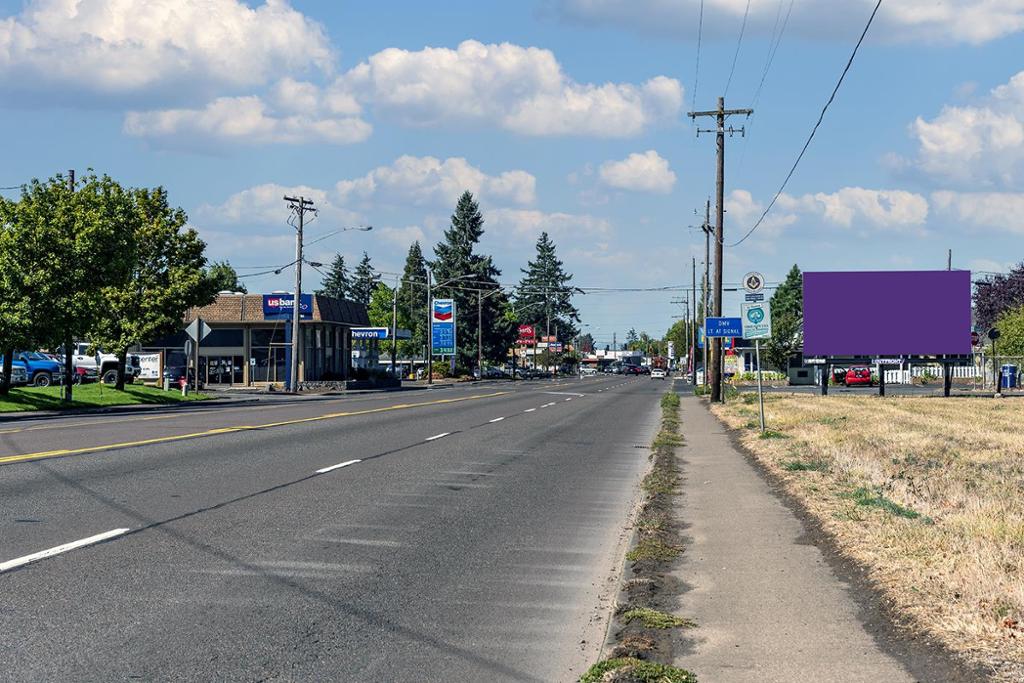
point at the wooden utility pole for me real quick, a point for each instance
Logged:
(692, 351)
(299, 206)
(720, 115)
(707, 279)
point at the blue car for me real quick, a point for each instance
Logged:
(40, 370)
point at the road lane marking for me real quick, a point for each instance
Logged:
(497, 419)
(338, 466)
(239, 428)
(546, 405)
(57, 550)
(569, 399)
(529, 410)
(435, 437)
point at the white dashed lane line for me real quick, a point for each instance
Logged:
(57, 550)
(497, 419)
(529, 410)
(435, 437)
(338, 466)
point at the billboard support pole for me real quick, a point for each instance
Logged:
(947, 379)
(881, 380)
(826, 372)
(760, 391)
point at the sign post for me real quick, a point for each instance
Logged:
(197, 331)
(757, 325)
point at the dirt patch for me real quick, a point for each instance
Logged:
(919, 499)
(642, 633)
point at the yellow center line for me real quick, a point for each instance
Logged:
(239, 428)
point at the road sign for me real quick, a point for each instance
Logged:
(753, 282)
(994, 334)
(723, 327)
(370, 333)
(753, 297)
(442, 325)
(757, 320)
(198, 330)
(555, 347)
(526, 332)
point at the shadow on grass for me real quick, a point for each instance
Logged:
(24, 399)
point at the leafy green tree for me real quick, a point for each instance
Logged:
(364, 281)
(586, 343)
(631, 338)
(412, 300)
(1011, 327)
(997, 294)
(72, 244)
(382, 314)
(336, 283)
(787, 306)
(678, 334)
(166, 278)
(458, 263)
(545, 292)
(223, 278)
(15, 313)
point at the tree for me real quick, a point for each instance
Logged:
(544, 294)
(15, 313)
(787, 306)
(586, 343)
(336, 283)
(223, 278)
(457, 262)
(631, 338)
(412, 298)
(364, 281)
(997, 294)
(166, 277)
(1011, 326)
(71, 245)
(679, 334)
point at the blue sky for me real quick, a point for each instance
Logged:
(563, 115)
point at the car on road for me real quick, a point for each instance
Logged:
(859, 376)
(632, 370)
(658, 373)
(588, 371)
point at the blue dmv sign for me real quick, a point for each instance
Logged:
(370, 333)
(280, 306)
(442, 326)
(723, 327)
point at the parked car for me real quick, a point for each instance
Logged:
(632, 370)
(658, 373)
(488, 373)
(839, 375)
(40, 369)
(859, 376)
(105, 364)
(19, 375)
(588, 371)
(176, 374)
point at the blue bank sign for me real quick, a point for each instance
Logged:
(723, 327)
(442, 326)
(279, 306)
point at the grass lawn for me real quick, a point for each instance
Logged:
(94, 395)
(927, 493)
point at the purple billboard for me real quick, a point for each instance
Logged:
(887, 313)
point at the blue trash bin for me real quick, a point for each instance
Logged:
(1009, 376)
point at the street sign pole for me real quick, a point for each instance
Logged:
(760, 391)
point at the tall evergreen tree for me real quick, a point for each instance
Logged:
(336, 283)
(787, 321)
(545, 293)
(364, 281)
(412, 297)
(222, 278)
(457, 260)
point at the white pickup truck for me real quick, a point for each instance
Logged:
(105, 364)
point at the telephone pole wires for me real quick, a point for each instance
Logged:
(720, 115)
(299, 206)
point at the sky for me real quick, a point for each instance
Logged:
(565, 116)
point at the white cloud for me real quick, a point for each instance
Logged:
(430, 181)
(265, 205)
(979, 144)
(130, 46)
(952, 21)
(647, 172)
(521, 89)
(245, 120)
(526, 225)
(1000, 211)
(742, 211)
(402, 237)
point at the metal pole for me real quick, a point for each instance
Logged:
(394, 329)
(479, 333)
(760, 392)
(430, 334)
(692, 351)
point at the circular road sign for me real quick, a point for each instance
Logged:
(753, 282)
(993, 334)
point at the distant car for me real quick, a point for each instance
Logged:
(488, 373)
(859, 376)
(658, 373)
(632, 370)
(40, 369)
(588, 371)
(645, 369)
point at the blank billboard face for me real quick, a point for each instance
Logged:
(926, 313)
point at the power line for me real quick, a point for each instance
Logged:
(736, 56)
(773, 47)
(814, 130)
(696, 74)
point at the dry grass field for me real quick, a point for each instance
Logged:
(928, 493)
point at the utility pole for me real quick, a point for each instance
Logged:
(720, 115)
(692, 351)
(298, 205)
(949, 260)
(707, 278)
(430, 334)
(479, 333)
(394, 327)
(69, 370)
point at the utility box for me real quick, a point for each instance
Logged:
(1009, 376)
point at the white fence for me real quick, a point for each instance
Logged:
(980, 372)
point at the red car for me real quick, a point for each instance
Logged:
(859, 377)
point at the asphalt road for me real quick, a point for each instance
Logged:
(477, 537)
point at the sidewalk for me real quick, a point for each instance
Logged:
(767, 603)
